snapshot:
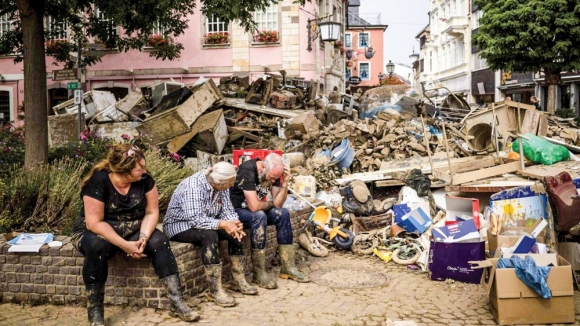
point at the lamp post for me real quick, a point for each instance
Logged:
(390, 68)
(329, 31)
(414, 56)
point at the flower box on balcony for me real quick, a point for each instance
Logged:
(158, 40)
(216, 38)
(266, 37)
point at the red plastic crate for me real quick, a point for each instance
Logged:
(242, 155)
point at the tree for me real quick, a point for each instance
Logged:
(531, 35)
(97, 19)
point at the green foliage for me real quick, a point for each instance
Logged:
(530, 35)
(565, 113)
(11, 147)
(166, 173)
(42, 199)
(136, 20)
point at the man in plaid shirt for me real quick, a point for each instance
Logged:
(200, 212)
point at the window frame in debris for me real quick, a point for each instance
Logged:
(262, 17)
(349, 44)
(360, 39)
(55, 29)
(360, 64)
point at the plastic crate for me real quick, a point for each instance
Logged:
(242, 155)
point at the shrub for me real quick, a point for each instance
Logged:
(166, 173)
(565, 113)
(42, 199)
(11, 147)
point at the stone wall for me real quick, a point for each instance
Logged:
(54, 275)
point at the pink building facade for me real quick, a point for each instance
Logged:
(242, 54)
(364, 31)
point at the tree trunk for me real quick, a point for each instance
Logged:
(31, 13)
(553, 78)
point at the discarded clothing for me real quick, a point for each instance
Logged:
(533, 276)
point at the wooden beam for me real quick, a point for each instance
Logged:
(240, 104)
(460, 178)
(244, 133)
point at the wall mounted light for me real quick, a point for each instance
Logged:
(328, 31)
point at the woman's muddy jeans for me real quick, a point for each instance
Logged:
(208, 240)
(257, 222)
(98, 251)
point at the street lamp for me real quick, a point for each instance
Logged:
(414, 57)
(329, 31)
(390, 68)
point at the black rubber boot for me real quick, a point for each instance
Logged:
(178, 306)
(95, 304)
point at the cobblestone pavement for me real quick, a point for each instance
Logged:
(346, 291)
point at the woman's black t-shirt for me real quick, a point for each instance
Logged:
(123, 212)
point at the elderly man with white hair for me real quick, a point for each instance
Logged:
(255, 180)
(200, 212)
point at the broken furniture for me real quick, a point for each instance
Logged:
(209, 133)
(162, 89)
(98, 104)
(564, 196)
(162, 127)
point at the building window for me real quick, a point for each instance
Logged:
(4, 107)
(422, 65)
(364, 70)
(479, 62)
(55, 29)
(348, 73)
(475, 19)
(460, 52)
(108, 23)
(348, 40)
(268, 19)
(461, 8)
(215, 25)
(430, 61)
(5, 24)
(363, 40)
(158, 29)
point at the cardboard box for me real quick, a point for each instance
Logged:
(461, 209)
(571, 252)
(416, 220)
(451, 261)
(512, 302)
(457, 232)
(302, 125)
(495, 241)
(403, 209)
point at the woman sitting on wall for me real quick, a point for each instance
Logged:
(120, 212)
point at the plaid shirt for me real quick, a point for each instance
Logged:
(192, 207)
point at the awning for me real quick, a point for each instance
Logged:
(516, 86)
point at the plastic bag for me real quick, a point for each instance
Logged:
(539, 150)
(533, 276)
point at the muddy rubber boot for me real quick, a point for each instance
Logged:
(239, 282)
(178, 306)
(289, 269)
(216, 292)
(261, 277)
(95, 304)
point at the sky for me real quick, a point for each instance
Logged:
(405, 18)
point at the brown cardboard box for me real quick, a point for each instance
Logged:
(495, 241)
(302, 124)
(512, 302)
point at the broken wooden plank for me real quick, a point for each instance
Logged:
(244, 133)
(538, 172)
(482, 188)
(240, 104)
(531, 122)
(543, 126)
(460, 178)
(389, 183)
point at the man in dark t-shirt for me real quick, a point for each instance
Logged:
(255, 180)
